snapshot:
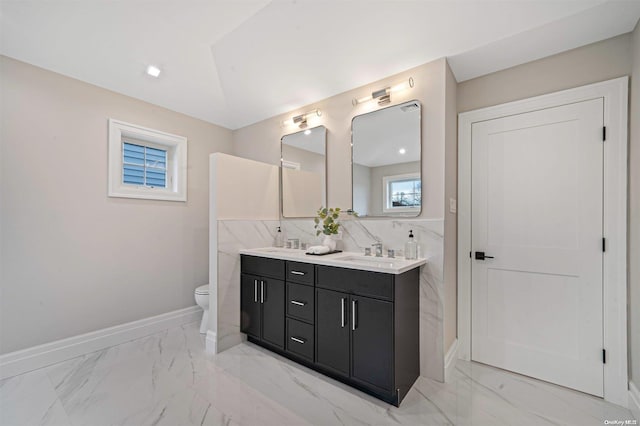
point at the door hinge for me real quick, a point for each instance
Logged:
(604, 356)
(604, 245)
(604, 134)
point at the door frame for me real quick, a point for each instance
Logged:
(614, 93)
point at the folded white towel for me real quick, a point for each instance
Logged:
(318, 250)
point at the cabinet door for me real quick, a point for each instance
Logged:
(372, 342)
(250, 305)
(332, 330)
(272, 298)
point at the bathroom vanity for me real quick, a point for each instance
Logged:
(351, 317)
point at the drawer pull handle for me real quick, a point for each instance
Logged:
(295, 302)
(261, 291)
(255, 291)
(295, 339)
(342, 308)
(298, 273)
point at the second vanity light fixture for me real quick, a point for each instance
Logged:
(301, 120)
(384, 95)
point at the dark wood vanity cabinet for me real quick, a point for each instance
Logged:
(262, 300)
(372, 343)
(359, 327)
(355, 338)
(367, 328)
(332, 331)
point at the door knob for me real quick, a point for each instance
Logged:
(481, 256)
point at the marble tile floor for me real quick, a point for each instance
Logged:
(167, 379)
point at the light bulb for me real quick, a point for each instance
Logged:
(153, 71)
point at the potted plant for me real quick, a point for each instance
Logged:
(326, 222)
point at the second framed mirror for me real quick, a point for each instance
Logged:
(386, 161)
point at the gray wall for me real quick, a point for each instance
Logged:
(309, 161)
(72, 259)
(361, 189)
(634, 216)
(450, 219)
(588, 64)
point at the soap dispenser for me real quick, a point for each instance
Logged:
(278, 241)
(411, 248)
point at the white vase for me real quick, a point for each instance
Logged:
(329, 242)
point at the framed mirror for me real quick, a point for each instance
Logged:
(386, 161)
(303, 176)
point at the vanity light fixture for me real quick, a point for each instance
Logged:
(384, 95)
(153, 71)
(301, 120)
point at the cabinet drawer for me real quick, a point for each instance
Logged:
(300, 302)
(262, 266)
(363, 283)
(300, 338)
(301, 273)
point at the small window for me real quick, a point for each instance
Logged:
(146, 163)
(402, 193)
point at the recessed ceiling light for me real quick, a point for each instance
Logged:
(402, 151)
(153, 71)
(307, 132)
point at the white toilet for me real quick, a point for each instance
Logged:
(202, 299)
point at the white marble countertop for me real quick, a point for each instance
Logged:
(350, 260)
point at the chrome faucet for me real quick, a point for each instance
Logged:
(378, 248)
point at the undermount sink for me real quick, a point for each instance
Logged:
(380, 262)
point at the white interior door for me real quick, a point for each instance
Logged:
(537, 208)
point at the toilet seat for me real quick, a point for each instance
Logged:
(203, 289)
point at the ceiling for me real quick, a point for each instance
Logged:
(236, 62)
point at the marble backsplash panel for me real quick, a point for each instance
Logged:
(234, 235)
(356, 235)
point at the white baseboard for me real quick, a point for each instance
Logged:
(14, 363)
(450, 361)
(634, 400)
(211, 342)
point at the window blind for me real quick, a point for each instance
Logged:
(144, 166)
